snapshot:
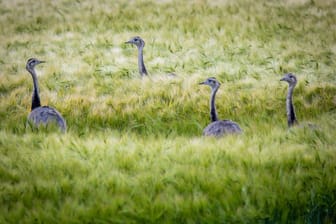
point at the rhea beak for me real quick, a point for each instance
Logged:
(128, 42)
(42, 62)
(201, 83)
(283, 79)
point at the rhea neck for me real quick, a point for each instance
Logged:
(291, 117)
(213, 111)
(141, 64)
(35, 98)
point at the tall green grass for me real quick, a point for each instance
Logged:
(134, 152)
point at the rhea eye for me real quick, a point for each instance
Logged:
(136, 39)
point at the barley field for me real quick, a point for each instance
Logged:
(134, 150)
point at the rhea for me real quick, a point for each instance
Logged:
(217, 127)
(140, 43)
(291, 117)
(42, 115)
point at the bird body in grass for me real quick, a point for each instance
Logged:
(42, 115)
(217, 127)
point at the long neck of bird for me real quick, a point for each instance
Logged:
(141, 64)
(213, 112)
(35, 98)
(291, 117)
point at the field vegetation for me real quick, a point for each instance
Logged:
(134, 151)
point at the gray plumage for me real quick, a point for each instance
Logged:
(140, 43)
(217, 127)
(42, 115)
(291, 117)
